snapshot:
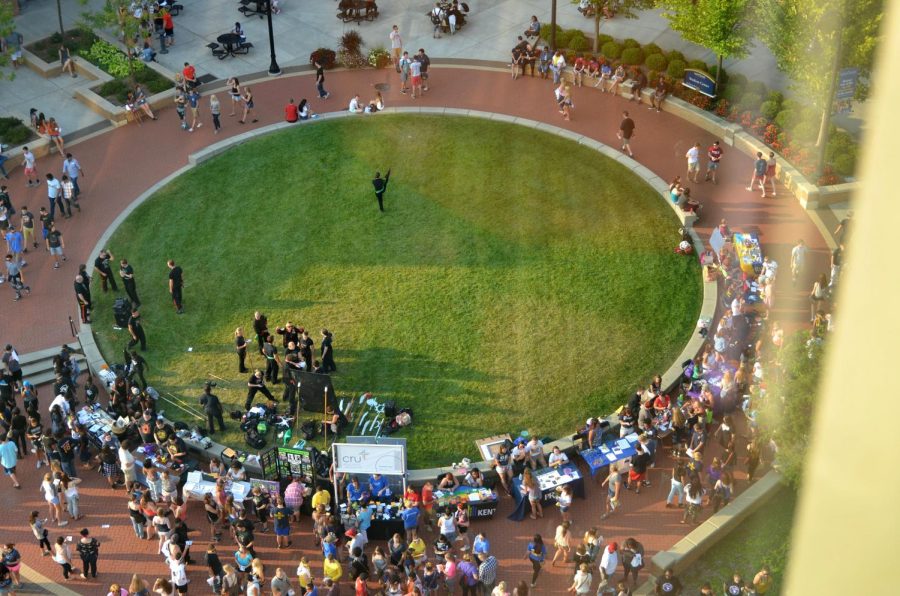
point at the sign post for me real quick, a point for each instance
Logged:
(700, 81)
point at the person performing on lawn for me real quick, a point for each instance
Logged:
(380, 185)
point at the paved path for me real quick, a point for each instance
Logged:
(123, 163)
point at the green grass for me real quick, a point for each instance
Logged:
(516, 281)
(762, 539)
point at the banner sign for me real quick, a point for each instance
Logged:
(846, 87)
(389, 460)
(699, 81)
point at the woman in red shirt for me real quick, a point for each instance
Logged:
(168, 27)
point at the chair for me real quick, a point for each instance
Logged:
(217, 51)
(243, 48)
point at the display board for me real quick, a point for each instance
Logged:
(268, 461)
(294, 462)
(270, 486)
(389, 460)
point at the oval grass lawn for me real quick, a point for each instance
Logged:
(517, 280)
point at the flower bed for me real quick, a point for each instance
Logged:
(785, 125)
(127, 72)
(47, 49)
(14, 132)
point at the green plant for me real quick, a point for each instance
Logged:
(698, 65)
(562, 38)
(758, 87)
(845, 163)
(732, 93)
(805, 132)
(604, 38)
(351, 42)
(656, 62)
(14, 132)
(611, 50)
(750, 102)
(724, 79)
(633, 56)
(676, 55)
(675, 69)
(379, 57)
(775, 96)
(112, 60)
(630, 43)
(769, 109)
(117, 90)
(579, 43)
(152, 81)
(652, 48)
(787, 119)
(324, 57)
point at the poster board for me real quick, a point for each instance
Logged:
(268, 461)
(270, 486)
(294, 462)
(388, 460)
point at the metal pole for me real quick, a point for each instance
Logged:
(325, 418)
(274, 70)
(553, 25)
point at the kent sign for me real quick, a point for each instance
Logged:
(699, 81)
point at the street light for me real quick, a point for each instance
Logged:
(274, 70)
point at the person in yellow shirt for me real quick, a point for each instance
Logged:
(322, 497)
(763, 581)
(304, 573)
(417, 547)
(332, 568)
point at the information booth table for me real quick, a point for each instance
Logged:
(551, 480)
(198, 484)
(481, 503)
(610, 452)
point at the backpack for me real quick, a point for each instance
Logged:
(254, 439)
(308, 430)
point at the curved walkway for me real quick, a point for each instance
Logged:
(123, 163)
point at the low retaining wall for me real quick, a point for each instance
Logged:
(670, 377)
(693, 546)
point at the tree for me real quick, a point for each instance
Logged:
(62, 29)
(813, 39)
(720, 26)
(621, 8)
(120, 14)
(7, 26)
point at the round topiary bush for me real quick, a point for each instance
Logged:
(698, 65)
(568, 34)
(652, 48)
(675, 69)
(769, 109)
(652, 77)
(758, 87)
(750, 101)
(776, 97)
(633, 56)
(631, 43)
(787, 119)
(845, 163)
(676, 55)
(656, 62)
(725, 79)
(732, 93)
(611, 50)
(579, 43)
(603, 38)
(805, 132)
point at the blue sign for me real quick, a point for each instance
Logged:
(846, 88)
(699, 81)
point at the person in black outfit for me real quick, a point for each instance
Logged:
(270, 352)
(89, 549)
(327, 352)
(176, 283)
(260, 328)
(255, 385)
(240, 346)
(83, 295)
(213, 408)
(306, 349)
(101, 264)
(290, 374)
(288, 334)
(136, 329)
(380, 185)
(126, 272)
(135, 365)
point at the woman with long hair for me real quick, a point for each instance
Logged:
(62, 555)
(248, 105)
(213, 515)
(51, 494)
(562, 542)
(536, 553)
(531, 486)
(236, 95)
(69, 489)
(138, 587)
(817, 296)
(694, 498)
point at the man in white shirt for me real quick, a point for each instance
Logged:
(61, 401)
(54, 194)
(396, 46)
(608, 564)
(693, 163)
(354, 105)
(535, 449)
(126, 462)
(798, 257)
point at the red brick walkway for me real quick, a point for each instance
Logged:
(123, 163)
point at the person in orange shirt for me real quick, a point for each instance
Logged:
(190, 75)
(291, 114)
(169, 28)
(428, 504)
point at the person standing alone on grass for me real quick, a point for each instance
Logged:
(626, 131)
(327, 352)
(136, 329)
(380, 185)
(396, 46)
(101, 265)
(213, 409)
(176, 284)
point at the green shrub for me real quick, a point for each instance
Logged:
(845, 163)
(676, 55)
(697, 65)
(603, 38)
(611, 50)
(579, 43)
(14, 132)
(379, 57)
(656, 62)
(790, 104)
(676, 69)
(116, 89)
(769, 109)
(323, 56)
(631, 43)
(652, 48)
(652, 77)
(805, 132)
(153, 81)
(775, 96)
(570, 33)
(633, 56)
(750, 101)
(112, 60)
(758, 87)
(570, 56)
(838, 142)
(732, 93)
(725, 79)
(787, 119)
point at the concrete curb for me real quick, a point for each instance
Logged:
(691, 349)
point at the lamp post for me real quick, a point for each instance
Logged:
(274, 70)
(553, 25)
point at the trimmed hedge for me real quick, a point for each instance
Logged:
(698, 65)
(604, 38)
(787, 119)
(750, 102)
(769, 109)
(631, 43)
(14, 132)
(611, 50)
(656, 62)
(676, 55)
(652, 48)
(579, 43)
(633, 56)
(676, 69)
